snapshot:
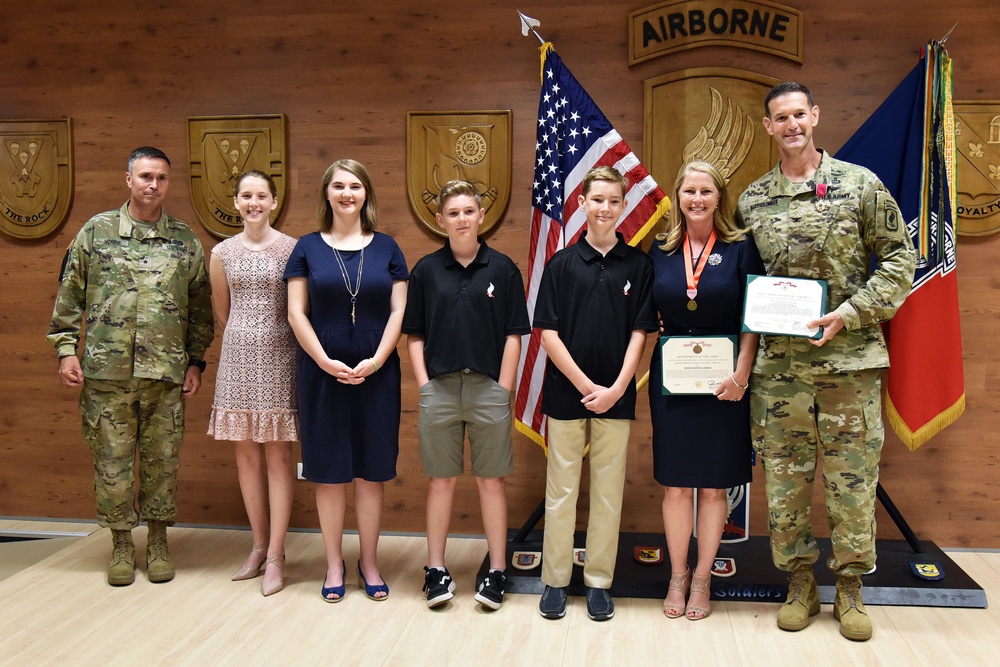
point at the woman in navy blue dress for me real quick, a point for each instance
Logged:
(702, 442)
(346, 296)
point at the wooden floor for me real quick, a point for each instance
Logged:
(60, 611)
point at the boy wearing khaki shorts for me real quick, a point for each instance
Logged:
(465, 315)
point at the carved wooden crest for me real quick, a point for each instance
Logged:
(977, 142)
(36, 176)
(712, 114)
(677, 25)
(220, 148)
(446, 145)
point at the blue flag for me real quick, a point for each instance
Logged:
(909, 142)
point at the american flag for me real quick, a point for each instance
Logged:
(573, 137)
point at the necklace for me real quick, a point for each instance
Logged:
(347, 281)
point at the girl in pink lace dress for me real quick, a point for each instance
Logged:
(255, 400)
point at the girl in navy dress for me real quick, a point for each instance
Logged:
(346, 296)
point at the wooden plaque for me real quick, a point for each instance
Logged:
(977, 142)
(712, 114)
(759, 25)
(36, 176)
(220, 148)
(474, 146)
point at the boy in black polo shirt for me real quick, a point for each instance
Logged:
(465, 315)
(594, 307)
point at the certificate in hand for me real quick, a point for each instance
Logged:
(696, 365)
(782, 306)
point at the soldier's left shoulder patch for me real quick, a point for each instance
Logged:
(888, 219)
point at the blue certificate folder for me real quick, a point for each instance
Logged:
(670, 364)
(788, 300)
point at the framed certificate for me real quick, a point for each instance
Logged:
(782, 306)
(696, 364)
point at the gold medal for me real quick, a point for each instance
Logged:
(694, 275)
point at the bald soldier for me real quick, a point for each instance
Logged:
(813, 216)
(137, 277)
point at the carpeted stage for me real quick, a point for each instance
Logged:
(757, 580)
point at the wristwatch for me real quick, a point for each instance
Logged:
(194, 361)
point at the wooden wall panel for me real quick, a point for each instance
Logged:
(345, 77)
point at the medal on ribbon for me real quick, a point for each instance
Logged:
(694, 275)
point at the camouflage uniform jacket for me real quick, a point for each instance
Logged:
(831, 228)
(147, 300)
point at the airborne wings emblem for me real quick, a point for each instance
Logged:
(724, 141)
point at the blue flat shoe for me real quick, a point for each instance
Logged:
(333, 590)
(370, 591)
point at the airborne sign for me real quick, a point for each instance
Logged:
(674, 26)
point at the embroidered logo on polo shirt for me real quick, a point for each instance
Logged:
(628, 286)
(489, 291)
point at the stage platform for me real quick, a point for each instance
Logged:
(757, 580)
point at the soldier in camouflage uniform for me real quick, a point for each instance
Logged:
(813, 216)
(137, 277)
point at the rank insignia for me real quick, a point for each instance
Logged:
(526, 560)
(648, 555)
(724, 567)
(579, 556)
(928, 571)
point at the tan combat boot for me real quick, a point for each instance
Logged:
(121, 570)
(802, 601)
(159, 567)
(850, 610)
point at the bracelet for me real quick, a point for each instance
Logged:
(738, 385)
(372, 359)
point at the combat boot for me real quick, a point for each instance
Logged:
(159, 567)
(121, 570)
(802, 601)
(850, 610)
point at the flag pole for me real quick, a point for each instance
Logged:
(940, 41)
(529, 24)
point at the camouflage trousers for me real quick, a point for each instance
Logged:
(794, 419)
(123, 420)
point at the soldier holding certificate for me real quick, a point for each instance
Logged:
(813, 216)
